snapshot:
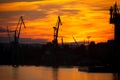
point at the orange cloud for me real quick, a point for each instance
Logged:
(79, 18)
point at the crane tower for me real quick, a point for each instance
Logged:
(56, 30)
(115, 19)
(17, 31)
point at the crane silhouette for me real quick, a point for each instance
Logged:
(56, 30)
(75, 41)
(16, 31)
(15, 43)
(115, 19)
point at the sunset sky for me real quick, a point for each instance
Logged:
(80, 18)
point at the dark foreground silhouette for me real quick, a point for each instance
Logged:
(101, 54)
(93, 55)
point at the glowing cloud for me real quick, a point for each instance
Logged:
(79, 18)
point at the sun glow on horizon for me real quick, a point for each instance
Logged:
(79, 19)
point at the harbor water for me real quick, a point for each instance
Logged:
(49, 73)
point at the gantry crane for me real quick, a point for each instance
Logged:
(17, 31)
(56, 30)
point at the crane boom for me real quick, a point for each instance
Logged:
(17, 30)
(56, 30)
(23, 22)
(58, 24)
(20, 23)
(8, 33)
(75, 41)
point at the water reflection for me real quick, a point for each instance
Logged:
(15, 73)
(116, 76)
(55, 73)
(49, 73)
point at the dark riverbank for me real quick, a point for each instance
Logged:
(100, 54)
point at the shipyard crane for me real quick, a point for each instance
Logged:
(56, 30)
(17, 31)
(115, 19)
(75, 41)
(8, 33)
(18, 28)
